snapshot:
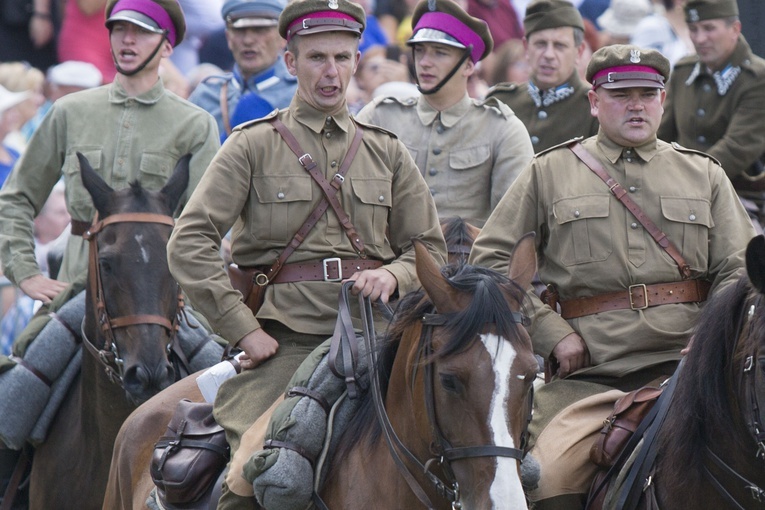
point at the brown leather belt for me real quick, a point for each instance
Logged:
(78, 228)
(637, 297)
(328, 270)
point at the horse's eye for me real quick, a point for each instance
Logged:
(106, 267)
(451, 383)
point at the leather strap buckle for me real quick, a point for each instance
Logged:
(261, 279)
(645, 297)
(325, 265)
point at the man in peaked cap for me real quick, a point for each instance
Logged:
(259, 183)
(129, 130)
(626, 311)
(260, 80)
(553, 103)
(468, 151)
(716, 99)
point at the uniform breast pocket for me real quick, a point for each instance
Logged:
(687, 221)
(155, 169)
(581, 230)
(77, 197)
(281, 205)
(470, 173)
(371, 204)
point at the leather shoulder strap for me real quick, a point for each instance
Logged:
(621, 194)
(224, 107)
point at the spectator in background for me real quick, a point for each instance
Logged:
(259, 72)
(21, 77)
(373, 35)
(509, 64)
(665, 30)
(377, 67)
(10, 121)
(202, 20)
(83, 36)
(27, 29)
(501, 17)
(618, 22)
(553, 104)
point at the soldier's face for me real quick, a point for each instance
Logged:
(255, 49)
(433, 62)
(324, 64)
(132, 45)
(552, 55)
(715, 40)
(629, 117)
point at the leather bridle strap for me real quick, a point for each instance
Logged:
(758, 494)
(621, 194)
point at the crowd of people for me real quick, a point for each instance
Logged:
(465, 108)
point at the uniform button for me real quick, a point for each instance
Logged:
(692, 217)
(381, 198)
(329, 135)
(127, 125)
(632, 189)
(329, 120)
(432, 191)
(333, 164)
(707, 87)
(701, 112)
(576, 214)
(439, 129)
(433, 171)
(634, 226)
(542, 115)
(280, 195)
(120, 161)
(534, 140)
(436, 151)
(702, 139)
(629, 160)
(628, 152)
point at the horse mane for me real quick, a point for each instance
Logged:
(489, 305)
(459, 236)
(704, 405)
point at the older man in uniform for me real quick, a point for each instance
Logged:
(716, 99)
(617, 331)
(129, 130)
(553, 103)
(469, 151)
(260, 81)
(258, 185)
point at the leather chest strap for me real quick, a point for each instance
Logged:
(637, 297)
(621, 194)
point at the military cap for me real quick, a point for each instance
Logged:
(699, 10)
(622, 66)
(305, 17)
(252, 13)
(544, 14)
(158, 16)
(445, 22)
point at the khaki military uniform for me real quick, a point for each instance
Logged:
(725, 121)
(554, 118)
(469, 154)
(589, 244)
(124, 138)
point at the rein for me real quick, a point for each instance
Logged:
(442, 450)
(109, 356)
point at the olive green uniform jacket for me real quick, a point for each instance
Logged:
(257, 185)
(730, 126)
(469, 154)
(589, 244)
(551, 124)
(125, 139)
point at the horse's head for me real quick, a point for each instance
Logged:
(133, 301)
(754, 362)
(476, 364)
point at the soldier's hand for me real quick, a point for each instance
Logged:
(572, 354)
(42, 288)
(258, 346)
(374, 283)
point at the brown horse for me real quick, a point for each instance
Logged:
(476, 400)
(132, 308)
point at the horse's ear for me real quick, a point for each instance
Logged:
(96, 186)
(443, 295)
(755, 262)
(523, 261)
(178, 182)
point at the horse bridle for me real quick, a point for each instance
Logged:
(754, 423)
(109, 356)
(442, 450)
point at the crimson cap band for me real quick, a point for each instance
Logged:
(444, 22)
(622, 66)
(161, 17)
(305, 17)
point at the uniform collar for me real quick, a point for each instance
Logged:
(316, 120)
(449, 117)
(741, 57)
(544, 98)
(613, 151)
(117, 94)
(263, 80)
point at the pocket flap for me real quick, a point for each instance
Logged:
(687, 210)
(272, 189)
(581, 208)
(372, 191)
(468, 158)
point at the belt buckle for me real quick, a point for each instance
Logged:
(335, 260)
(645, 297)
